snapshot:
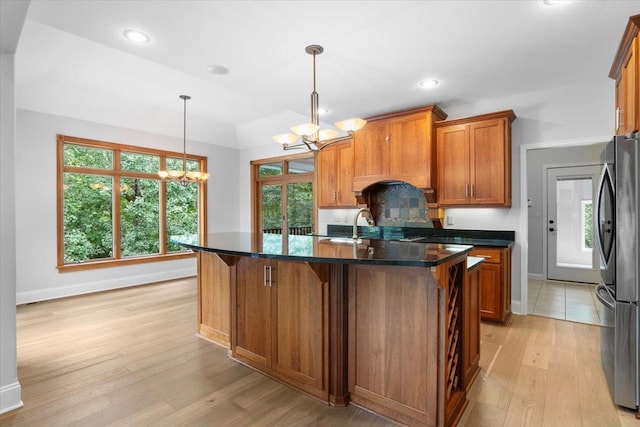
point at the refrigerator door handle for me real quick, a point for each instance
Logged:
(605, 296)
(605, 185)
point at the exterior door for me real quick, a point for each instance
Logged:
(285, 205)
(572, 254)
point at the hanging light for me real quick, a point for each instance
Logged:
(312, 138)
(184, 175)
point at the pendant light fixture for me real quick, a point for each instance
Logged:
(184, 175)
(312, 138)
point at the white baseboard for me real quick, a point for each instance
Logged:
(516, 307)
(102, 285)
(10, 397)
(535, 276)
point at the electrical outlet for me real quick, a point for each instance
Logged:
(450, 220)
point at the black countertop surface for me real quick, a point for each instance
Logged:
(339, 250)
(496, 238)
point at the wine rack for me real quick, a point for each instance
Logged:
(453, 367)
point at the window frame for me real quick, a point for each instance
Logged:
(116, 173)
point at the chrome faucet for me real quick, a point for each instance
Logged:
(367, 214)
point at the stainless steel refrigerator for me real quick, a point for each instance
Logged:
(618, 291)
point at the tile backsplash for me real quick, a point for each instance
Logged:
(401, 205)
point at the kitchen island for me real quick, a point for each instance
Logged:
(378, 323)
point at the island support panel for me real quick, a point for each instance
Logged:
(400, 319)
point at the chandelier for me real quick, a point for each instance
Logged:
(312, 138)
(184, 175)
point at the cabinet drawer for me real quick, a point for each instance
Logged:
(490, 255)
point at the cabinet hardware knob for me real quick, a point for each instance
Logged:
(387, 139)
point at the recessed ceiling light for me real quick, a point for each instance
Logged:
(218, 69)
(136, 36)
(429, 83)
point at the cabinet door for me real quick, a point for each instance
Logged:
(453, 165)
(409, 147)
(300, 334)
(488, 162)
(490, 291)
(346, 196)
(253, 312)
(371, 145)
(628, 92)
(327, 176)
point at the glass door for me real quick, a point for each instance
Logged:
(273, 222)
(285, 208)
(571, 240)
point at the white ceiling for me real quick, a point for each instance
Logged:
(73, 61)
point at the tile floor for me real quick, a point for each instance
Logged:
(564, 300)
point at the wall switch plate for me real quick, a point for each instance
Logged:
(449, 219)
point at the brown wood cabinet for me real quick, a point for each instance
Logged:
(626, 72)
(474, 160)
(215, 274)
(335, 176)
(397, 147)
(495, 282)
(471, 322)
(280, 320)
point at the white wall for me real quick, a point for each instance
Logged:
(536, 162)
(10, 390)
(37, 276)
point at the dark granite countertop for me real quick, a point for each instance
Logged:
(339, 250)
(496, 238)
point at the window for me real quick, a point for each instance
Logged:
(586, 213)
(283, 198)
(113, 209)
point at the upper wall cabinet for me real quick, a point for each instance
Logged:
(625, 71)
(474, 160)
(397, 146)
(335, 176)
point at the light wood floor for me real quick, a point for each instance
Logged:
(130, 358)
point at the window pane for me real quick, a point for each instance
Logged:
(300, 208)
(270, 169)
(88, 223)
(272, 209)
(174, 163)
(139, 162)
(570, 247)
(301, 166)
(139, 216)
(88, 157)
(182, 212)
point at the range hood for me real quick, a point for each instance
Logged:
(398, 147)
